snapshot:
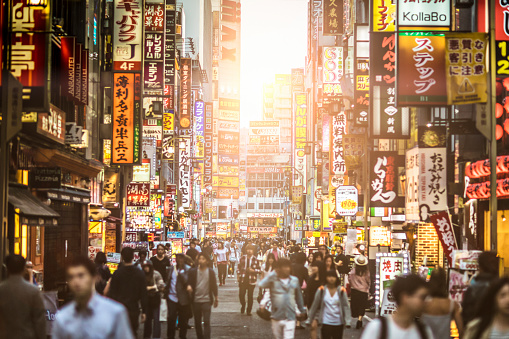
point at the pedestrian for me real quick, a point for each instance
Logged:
(142, 257)
(22, 312)
(128, 287)
(488, 272)
(330, 308)
(221, 259)
(161, 261)
(192, 252)
(342, 261)
(202, 287)
(409, 292)
(301, 272)
(29, 273)
(89, 315)
(103, 272)
(360, 282)
(267, 267)
(278, 253)
(329, 263)
(324, 250)
(493, 313)
(177, 298)
(315, 280)
(208, 250)
(233, 259)
(439, 309)
(286, 298)
(309, 261)
(247, 274)
(155, 286)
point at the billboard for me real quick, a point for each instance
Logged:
(185, 93)
(333, 70)
(300, 134)
(208, 131)
(424, 15)
(127, 35)
(384, 179)
(138, 194)
(185, 174)
(384, 15)
(332, 17)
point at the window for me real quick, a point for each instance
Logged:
(251, 206)
(268, 206)
(260, 206)
(251, 193)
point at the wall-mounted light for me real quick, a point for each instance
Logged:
(37, 3)
(503, 218)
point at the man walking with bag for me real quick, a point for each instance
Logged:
(247, 274)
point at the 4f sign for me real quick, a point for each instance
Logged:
(347, 200)
(414, 15)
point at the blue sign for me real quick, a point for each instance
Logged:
(176, 235)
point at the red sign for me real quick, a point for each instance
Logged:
(138, 194)
(84, 77)
(77, 74)
(501, 20)
(169, 205)
(153, 75)
(421, 72)
(443, 226)
(185, 104)
(67, 66)
(154, 17)
(52, 124)
(171, 189)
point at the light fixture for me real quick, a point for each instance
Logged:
(503, 218)
(428, 124)
(37, 3)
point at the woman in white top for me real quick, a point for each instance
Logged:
(267, 268)
(234, 258)
(330, 308)
(439, 309)
(221, 262)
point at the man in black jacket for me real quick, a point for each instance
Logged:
(179, 301)
(202, 286)
(128, 287)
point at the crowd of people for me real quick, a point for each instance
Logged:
(324, 291)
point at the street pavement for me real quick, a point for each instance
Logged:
(228, 323)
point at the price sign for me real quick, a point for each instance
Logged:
(502, 58)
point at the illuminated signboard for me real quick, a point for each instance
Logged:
(127, 35)
(138, 194)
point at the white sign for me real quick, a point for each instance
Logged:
(155, 132)
(141, 173)
(412, 185)
(228, 126)
(424, 13)
(264, 215)
(222, 227)
(347, 200)
(264, 131)
(127, 35)
(432, 180)
(185, 173)
(389, 266)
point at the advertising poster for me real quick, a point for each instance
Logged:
(388, 267)
(445, 232)
(347, 200)
(384, 179)
(424, 15)
(127, 39)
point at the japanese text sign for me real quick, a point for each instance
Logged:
(384, 15)
(127, 35)
(445, 232)
(501, 20)
(421, 69)
(208, 144)
(138, 194)
(185, 173)
(300, 116)
(432, 180)
(337, 157)
(384, 179)
(347, 200)
(466, 71)
(361, 91)
(332, 17)
(332, 58)
(124, 141)
(154, 17)
(185, 95)
(52, 124)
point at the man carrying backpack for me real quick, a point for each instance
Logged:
(409, 291)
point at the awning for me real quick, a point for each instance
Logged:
(65, 194)
(32, 211)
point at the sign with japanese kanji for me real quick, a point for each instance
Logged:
(127, 35)
(445, 232)
(207, 163)
(126, 129)
(421, 69)
(501, 20)
(300, 118)
(413, 15)
(332, 70)
(384, 179)
(412, 185)
(185, 173)
(185, 93)
(361, 91)
(347, 200)
(154, 17)
(432, 180)
(388, 267)
(138, 194)
(465, 62)
(199, 128)
(384, 15)
(332, 17)
(387, 120)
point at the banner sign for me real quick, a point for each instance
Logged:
(337, 130)
(445, 232)
(207, 179)
(412, 185)
(67, 65)
(170, 43)
(432, 180)
(127, 35)
(384, 15)
(332, 17)
(424, 15)
(388, 122)
(138, 194)
(230, 126)
(421, 69)
(126, 120)
(347, 200)
(52, 124)
(263, 229)
(297, 76)
(185, 174)
(228, 137)
(199, 128)
(168, 122)
(225, 181)
(467, 76)
(332, 58)
(185, 93)
(229, 109)
(501, 20)
(300, 118)
(154, 17)
(384, 179)
(361, 91)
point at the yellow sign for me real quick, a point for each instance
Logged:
(384, 15)
(225, 181)
(379, 235)
(168, 121)
(465, 64)
(316, 234)
(95, 227)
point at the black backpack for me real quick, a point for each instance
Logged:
(384, 334)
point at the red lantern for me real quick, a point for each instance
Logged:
(499, 110)
(499, 132)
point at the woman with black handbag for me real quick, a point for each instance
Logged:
(155, 285)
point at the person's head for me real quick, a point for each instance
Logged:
(127, 255)
(143, 255)
(311, 257)
(300, 258)
(167, 246)
(314, 267)
(271, 259)
(15, 264)
(203, 260)
(284, 268)
(495, 302)
(274, 246)
(339, 249)
(220, 246)
(249, 250)
(100, 258)
(488, 263)
(148, 268)
(160, 250)
(80, 274)
(322, 249)
(410, 292)
(361, 265)
(318, 256)
(437, 284)
(180, 258)
(329, 262)
(192, 244)
(331, 278)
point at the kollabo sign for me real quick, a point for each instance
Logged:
(414, 15)
(347, 200)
